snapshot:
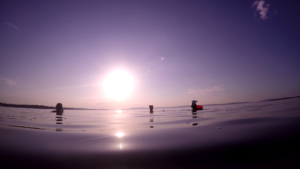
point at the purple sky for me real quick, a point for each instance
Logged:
(212, 51)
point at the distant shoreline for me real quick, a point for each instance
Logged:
(283, 98)
(41, 106)
(70, 108)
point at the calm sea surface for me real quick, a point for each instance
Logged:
(259, 134)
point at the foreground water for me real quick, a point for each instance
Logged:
(248, 135)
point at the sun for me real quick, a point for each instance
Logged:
(118, 84)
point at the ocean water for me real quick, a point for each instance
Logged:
(242, 135)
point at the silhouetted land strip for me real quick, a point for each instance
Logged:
(284, 98)
(40, 106)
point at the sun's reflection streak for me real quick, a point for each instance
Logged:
(120, 134)
(118, 120)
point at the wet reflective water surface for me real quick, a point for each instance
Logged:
(260, 134)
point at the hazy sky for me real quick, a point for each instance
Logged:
(214, 51)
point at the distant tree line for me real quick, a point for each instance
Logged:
(40, 106)
(26, 106)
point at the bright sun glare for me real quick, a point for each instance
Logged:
(118, 84)
(120, 134)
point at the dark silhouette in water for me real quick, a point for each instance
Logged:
(194, 114)
(59, 117)
(196, 107)
(194, 110)
(151, 108)
(59, 108)
(59, 113)
(151, 119)
(193, 105)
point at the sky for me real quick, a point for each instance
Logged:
(161, 53)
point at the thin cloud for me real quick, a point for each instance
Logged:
(261, 8)
(12, 26)
(7, 82)
(205, 91)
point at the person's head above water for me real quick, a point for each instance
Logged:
(59, 107)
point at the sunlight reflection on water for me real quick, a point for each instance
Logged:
(138, 129)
